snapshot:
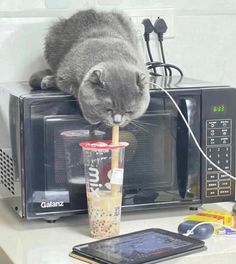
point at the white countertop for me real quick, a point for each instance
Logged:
(39, 242)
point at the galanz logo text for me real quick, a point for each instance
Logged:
(51, 204)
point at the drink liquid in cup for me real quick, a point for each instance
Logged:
(104, 205)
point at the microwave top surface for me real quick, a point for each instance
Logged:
(23, 89)
(178, 82)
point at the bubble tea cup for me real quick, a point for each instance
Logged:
(103, 186)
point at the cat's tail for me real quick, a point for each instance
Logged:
(42, 80)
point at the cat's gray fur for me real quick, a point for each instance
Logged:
(95, 57)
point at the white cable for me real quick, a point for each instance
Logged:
(190, 232)
(191, 132)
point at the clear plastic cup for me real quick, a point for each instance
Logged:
(104, 181)
(74, 160)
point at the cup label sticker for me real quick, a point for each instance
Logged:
(117, 176)
(94, 179)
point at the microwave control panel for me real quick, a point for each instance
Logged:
(218, 150)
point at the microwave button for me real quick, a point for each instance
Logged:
(227, 149)
(220, 140)
(226, 167)
(225, 123)
(225, 183)
(212, 176)
(225, 140)
(210, 167)
(225, 132)
(225, 192)
(212, 185)
(211, 124)
(212, 193)
(223, 176)
(211, 141)
(211, 132)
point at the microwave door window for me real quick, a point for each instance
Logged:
(162, 162)
(150, 162)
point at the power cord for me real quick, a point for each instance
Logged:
(148, 29)
(151, 65)
(160, 29)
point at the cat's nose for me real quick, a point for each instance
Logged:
(117, 118)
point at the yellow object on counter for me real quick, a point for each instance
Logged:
(212, 216)
(200, 218)
(227, 217)
(234, 221)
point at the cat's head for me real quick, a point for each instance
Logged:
(113, 93)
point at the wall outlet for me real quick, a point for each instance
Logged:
(137, 16)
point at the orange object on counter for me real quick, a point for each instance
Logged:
(227, 217)
(213, 216)
(219, 218)
(200, 218)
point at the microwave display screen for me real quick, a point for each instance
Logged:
(218, 108)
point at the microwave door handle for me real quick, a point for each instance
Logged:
(182, 145)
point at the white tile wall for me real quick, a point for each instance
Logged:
(21, 47)
(203, 46)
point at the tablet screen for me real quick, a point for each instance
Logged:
(139, 247)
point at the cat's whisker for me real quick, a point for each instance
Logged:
(168, 128)
(101, 126)
(144, 123)
(140, 127)
(140, 124)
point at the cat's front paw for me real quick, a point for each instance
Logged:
(48, 82)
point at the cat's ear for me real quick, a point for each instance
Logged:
(96, 76)
(141, 79)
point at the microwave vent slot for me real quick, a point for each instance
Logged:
(7, 172)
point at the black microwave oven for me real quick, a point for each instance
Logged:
(163, 167)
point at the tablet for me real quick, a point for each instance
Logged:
(145, 246)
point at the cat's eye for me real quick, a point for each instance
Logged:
(129, 112)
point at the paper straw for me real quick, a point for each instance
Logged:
(115, 188)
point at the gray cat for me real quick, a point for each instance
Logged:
(95, 57)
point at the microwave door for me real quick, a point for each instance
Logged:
(182, 146)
